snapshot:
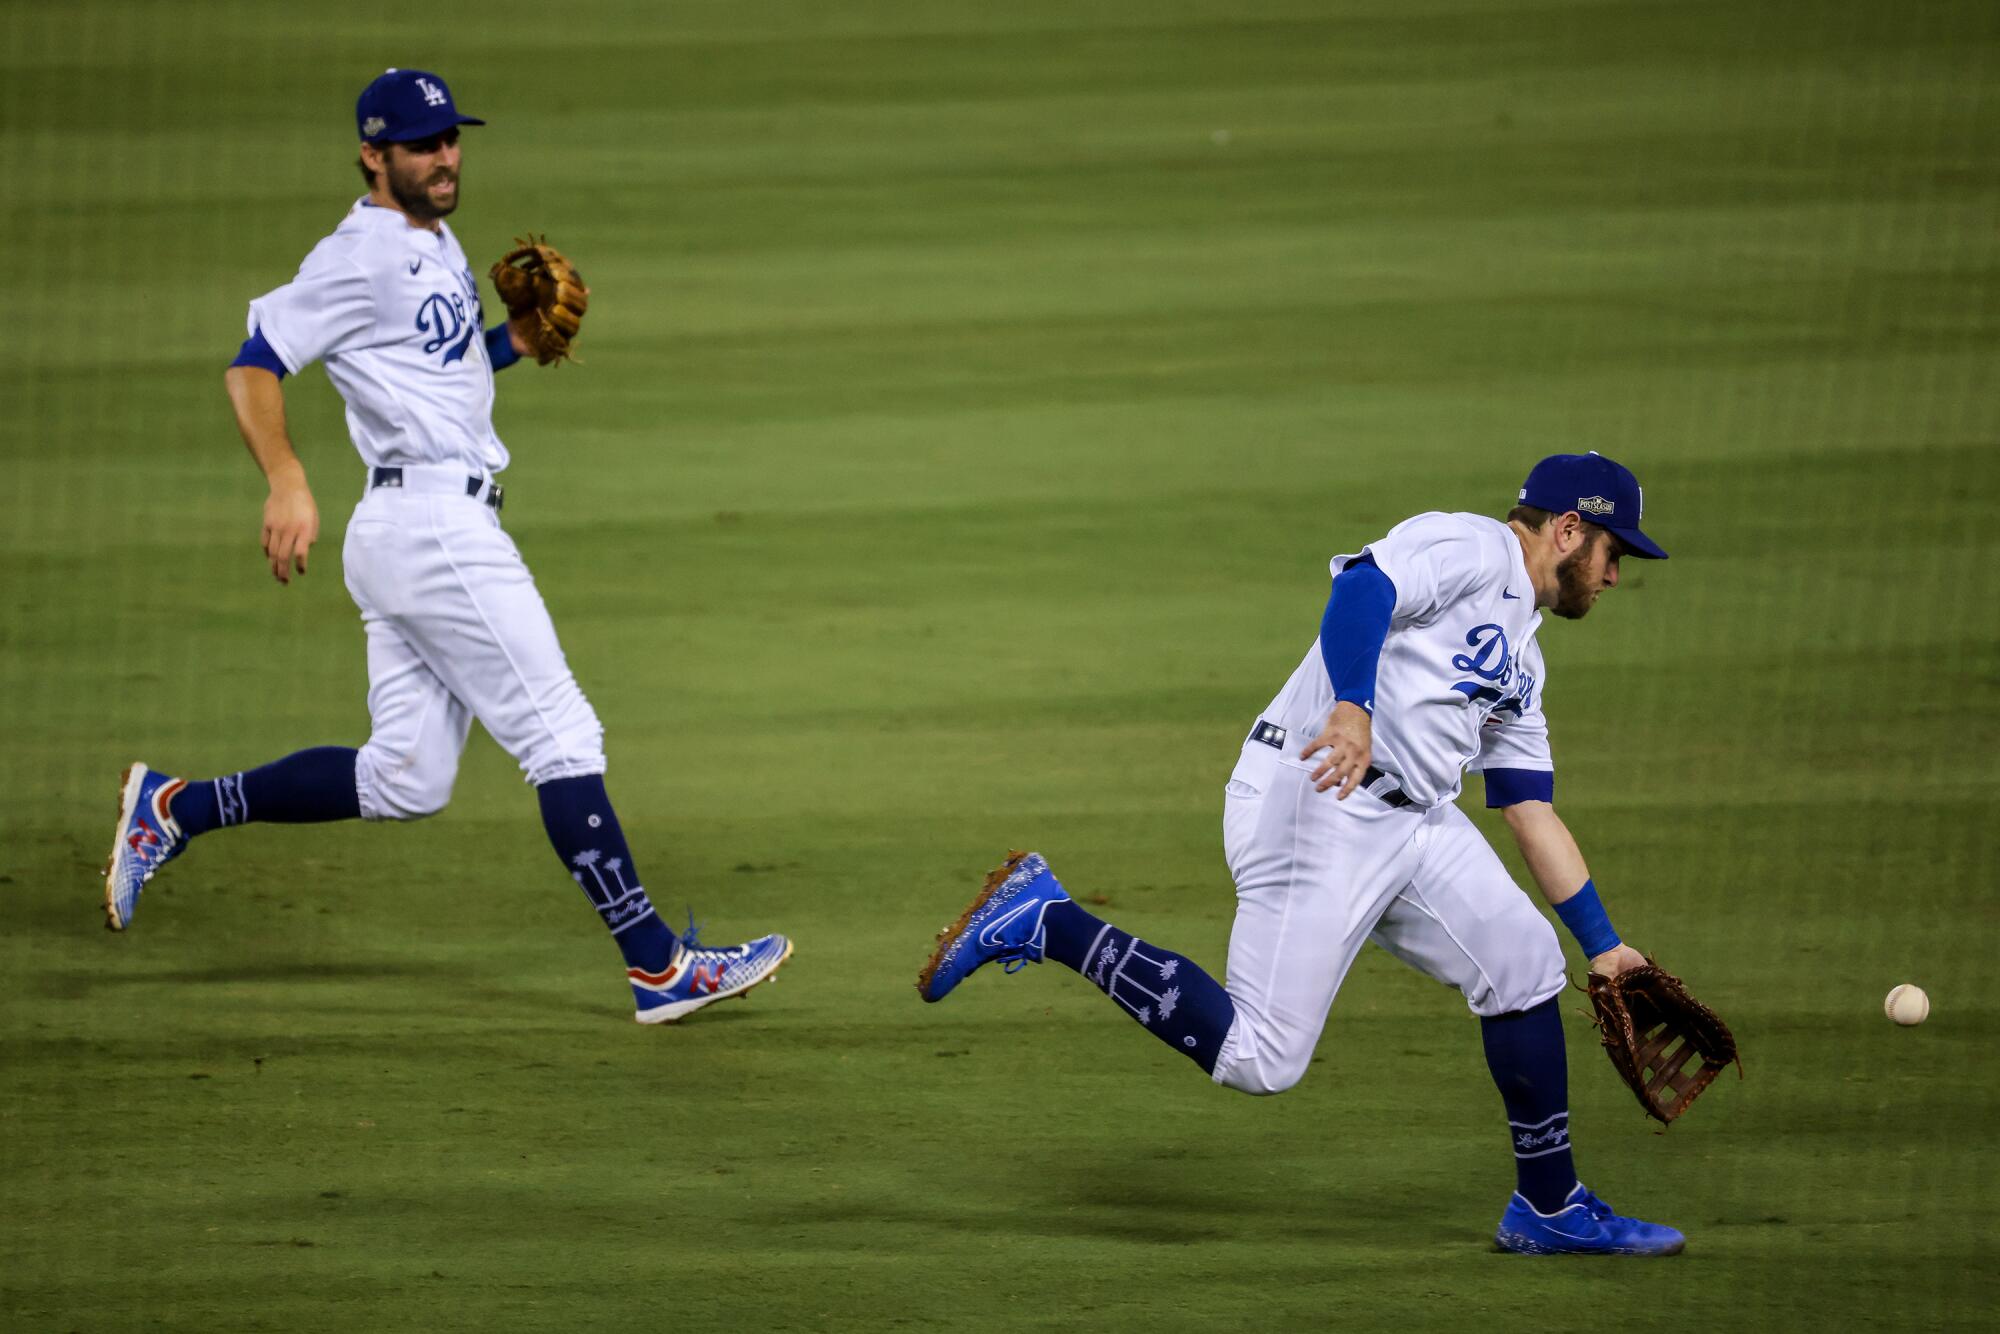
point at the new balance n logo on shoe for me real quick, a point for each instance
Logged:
(700, 976)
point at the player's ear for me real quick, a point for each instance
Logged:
(1570, 532)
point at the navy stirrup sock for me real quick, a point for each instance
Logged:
(584, 829)
(306, 787)
(1524, 1050)
(1177, 1002)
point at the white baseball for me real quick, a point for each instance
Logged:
(1907, 1005)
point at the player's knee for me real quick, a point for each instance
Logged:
(1250, 1066)
(401, 788)
(412, 804)
(1264, 1078)
(406, 801)
(1526, 975)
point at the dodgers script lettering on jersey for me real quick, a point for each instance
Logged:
(394, 312)
(1459, 682)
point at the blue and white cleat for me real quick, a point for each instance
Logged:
(699, 976)
(1584, 1225)
(147, 839)
(1004, 922)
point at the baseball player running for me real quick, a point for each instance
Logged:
(455, 627)
(1339, 827)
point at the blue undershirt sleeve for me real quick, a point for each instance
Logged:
(500, 348)
(1353, 630)
(259, 353)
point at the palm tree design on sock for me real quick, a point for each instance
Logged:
(1115, 977)
(587, 860)
(618, 903)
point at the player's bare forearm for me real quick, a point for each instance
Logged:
(259, 404)
(1559, 870)
(291, 517)
(1551, 853)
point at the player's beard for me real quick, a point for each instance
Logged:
(412, 193)
(1573, 592)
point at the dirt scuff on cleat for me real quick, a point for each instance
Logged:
(994, 879)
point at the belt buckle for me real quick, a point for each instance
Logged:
(475, 484)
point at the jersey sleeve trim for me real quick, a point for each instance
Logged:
(258, 352)
(1511, 787)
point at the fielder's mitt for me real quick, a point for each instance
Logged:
(536, 279)
(1664, 1043)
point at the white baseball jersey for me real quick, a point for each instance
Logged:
(1459, 684)
(393, 310)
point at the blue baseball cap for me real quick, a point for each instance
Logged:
(406, 104)
(1602, 490)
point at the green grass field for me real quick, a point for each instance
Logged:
(972, 398)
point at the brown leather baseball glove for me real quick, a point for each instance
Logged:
(1664, 1043)
(544, 295)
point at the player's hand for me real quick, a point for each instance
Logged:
(1616, 960)
(291, 525)
(1348, 740)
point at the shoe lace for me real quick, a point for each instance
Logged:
(691, 941)
(1029, 951)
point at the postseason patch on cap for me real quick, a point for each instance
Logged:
(1595, 505)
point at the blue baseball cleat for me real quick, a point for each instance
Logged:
(699, 976)
(1584, 1225)
(147, 839)
(1004, 922)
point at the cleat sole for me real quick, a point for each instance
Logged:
(996, 878)
(129, 784)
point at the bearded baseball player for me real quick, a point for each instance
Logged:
(455, 627)
(1340, 827)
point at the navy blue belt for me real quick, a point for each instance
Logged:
(1389, 794)
(495, 498)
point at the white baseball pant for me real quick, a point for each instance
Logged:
(1315, 877)
(456, 631)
